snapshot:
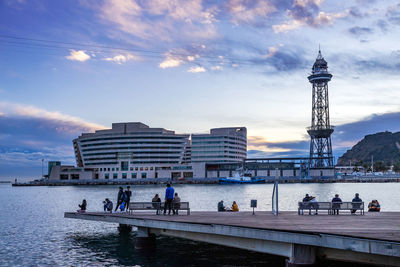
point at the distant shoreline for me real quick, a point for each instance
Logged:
(270, 180)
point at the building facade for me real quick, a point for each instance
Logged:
(134, 150)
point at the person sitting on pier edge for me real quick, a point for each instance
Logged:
(221, 206)
(336, 201)
(374, 206)
(356, 203)
(176, 203)
(313, 205)
(128, 195)
(156, 203)
(119, 197)
(169, 196)
(82, 206)
(108, 205)
(235, 206)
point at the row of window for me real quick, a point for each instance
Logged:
(124, 175)
(130, 148)
(130, 153)
(136, 169)
(133, 137)
(132, 143)
(135, 157)
(132, 162)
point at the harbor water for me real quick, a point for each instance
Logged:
(34, 232)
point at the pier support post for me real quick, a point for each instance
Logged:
(124, 228)
(144, 239)
(301, 255)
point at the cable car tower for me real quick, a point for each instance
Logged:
(320, 130)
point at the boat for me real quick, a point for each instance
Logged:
(241, 177)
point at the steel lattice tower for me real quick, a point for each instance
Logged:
(320, 130)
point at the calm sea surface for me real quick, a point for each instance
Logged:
(33, 231)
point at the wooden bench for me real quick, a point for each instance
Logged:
(158, 206)
(329, 206)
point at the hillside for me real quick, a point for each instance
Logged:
(384, 146)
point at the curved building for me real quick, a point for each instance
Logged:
(131, 150)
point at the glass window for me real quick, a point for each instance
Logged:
(124, 165)
(123, 175)
(133, 175)
(63, 176)
(141, 168)
(117, 169)
(136, 168)
(144, 175)
(131, 168)
(101, 169)
(75, 176)
(151, 168)
(146, 169)
(108, 169)
(115, 175)
(106, 175)
(113, 169)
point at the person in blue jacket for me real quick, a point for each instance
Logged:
(169, 196)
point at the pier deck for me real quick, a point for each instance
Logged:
(372, 238)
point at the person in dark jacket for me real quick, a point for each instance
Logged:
(355, 203)
(82, 206)
(306, 198)
(221, 206)
(156, 200)
(119, 198)
(128, 195)
(108, 205)
(169, 196)
(336, 201)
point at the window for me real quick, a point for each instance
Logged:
(96, 176)
(136, 168)
(151, 168)
(63, 176)
(115, 175)
(106, 175)
(141, 168)
(112, 169)
(117, 169)
(75, 176)
(108, 169)
(123, 175)
(133, 175)
(144, 175)
(131, 168)
(124, 165)
(146, 169)
(101, 169)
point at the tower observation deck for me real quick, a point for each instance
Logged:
(320, 130)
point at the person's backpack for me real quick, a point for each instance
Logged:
(124, 198)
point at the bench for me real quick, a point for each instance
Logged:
(329, 206)
(158, 206)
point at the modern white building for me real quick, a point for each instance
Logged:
(133, 150)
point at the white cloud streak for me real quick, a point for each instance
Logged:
(79, 55)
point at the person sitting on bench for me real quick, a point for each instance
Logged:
(156, 202)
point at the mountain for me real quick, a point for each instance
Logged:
(384, 146)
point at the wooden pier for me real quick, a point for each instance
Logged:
(373, 238)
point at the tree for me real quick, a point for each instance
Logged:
(396, 167)
(380, 166)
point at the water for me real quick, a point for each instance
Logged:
(33, 231)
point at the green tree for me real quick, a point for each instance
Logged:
(380, 166)
(396, 167)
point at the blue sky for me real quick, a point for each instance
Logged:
(72, 66)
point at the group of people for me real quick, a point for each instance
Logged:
(123, 199)
(172, 201)
(234, 206)
(312, 203)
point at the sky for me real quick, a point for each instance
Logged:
(68, 67)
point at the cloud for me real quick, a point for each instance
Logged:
(161, 20)
(119, 59)
(217, 68)
(171, 61)
(29, 134)
(196, 69)
(307, 13)
(245, 11)
(79, 55)
(358, 31)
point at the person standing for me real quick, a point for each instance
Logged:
(119, 197)
(128, 195)
(169, 196)
(336, 201)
